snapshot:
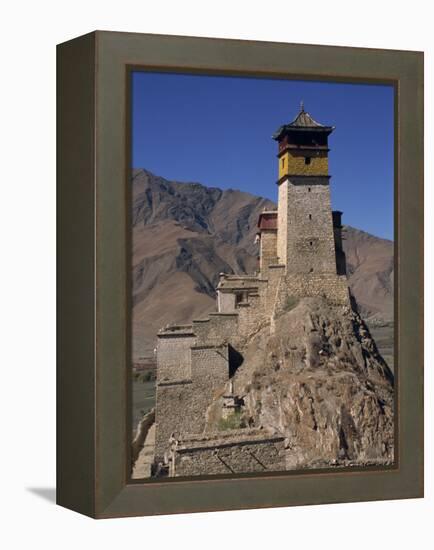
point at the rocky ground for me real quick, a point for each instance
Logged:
(320, 380)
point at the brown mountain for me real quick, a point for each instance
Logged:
(185, 234)
(370, 272)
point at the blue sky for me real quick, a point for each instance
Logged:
(216, 130)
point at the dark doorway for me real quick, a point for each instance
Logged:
(235, 360)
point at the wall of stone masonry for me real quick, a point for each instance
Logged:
(282, 222)
(268, 250)
(305, 240)
(173, 356)
(225, 302)
(181, 405)
(332, 287)
(210, 372)
(209, 366)
(173, 402)
(251, 316)
(217, 457)
(219, 328)
(275, 274)
(174, 386)
(251, 313)
(311, 244)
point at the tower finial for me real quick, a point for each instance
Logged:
(302, 106)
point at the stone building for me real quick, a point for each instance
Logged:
(300, 255)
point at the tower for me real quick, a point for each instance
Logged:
(305, 235)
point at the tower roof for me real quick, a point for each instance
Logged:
(302, 122)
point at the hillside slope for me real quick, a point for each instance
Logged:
(370, 272)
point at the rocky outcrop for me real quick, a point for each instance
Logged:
(319, 380)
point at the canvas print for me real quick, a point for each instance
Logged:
(262, 275)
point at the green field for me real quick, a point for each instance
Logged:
(143, 399)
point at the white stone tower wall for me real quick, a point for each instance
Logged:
(282, 223)
(308, 227)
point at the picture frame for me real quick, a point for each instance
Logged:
(94, 297)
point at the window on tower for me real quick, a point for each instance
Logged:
(307, 160)
(241, 298)
(283, 163)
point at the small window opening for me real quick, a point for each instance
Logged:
(311, 270)
(311, 243)
(307, 160)
(283, 163)
(241, 298)
(308, 189)
(310, 216)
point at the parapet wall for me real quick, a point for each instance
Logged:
(328, 285)
(232, 452)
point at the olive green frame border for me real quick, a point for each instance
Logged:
(93, 253)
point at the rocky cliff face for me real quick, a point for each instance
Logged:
(319, 380)
(185, 234)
